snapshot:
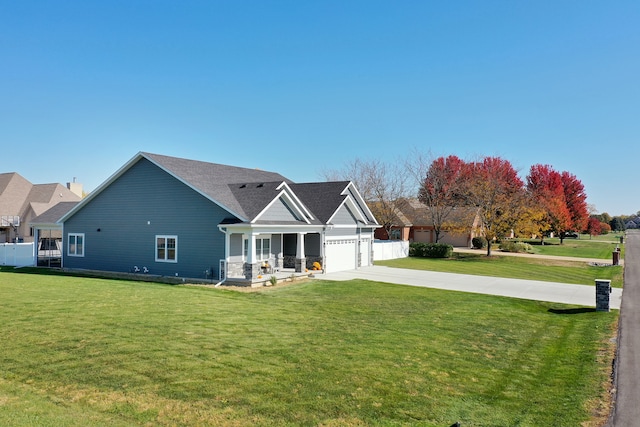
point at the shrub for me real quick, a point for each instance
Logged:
(430, 250)
(479, 242)
(518, 247)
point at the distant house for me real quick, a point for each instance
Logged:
(632, 223)
(413, 222)
(177, 217)
(47, 232)
(21, 201)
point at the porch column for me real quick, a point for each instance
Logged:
(251, 248)
(301, 260)
(227, 253)
(251, 269)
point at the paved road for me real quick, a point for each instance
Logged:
(627, 374)
(515, 288)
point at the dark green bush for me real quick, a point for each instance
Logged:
(430, 250)
(479, 242)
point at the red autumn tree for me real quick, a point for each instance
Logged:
(546, 188)
(441, 190)
(594, 227)
(576, 200)
(493, 187)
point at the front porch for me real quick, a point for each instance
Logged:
(256, 256)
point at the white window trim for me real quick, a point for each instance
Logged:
(259, 254)
(75, 245)
(166, 237)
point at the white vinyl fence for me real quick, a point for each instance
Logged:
(390, 249)
(17, 254)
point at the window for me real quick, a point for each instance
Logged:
(76, 244)
(263, 249)
(167, 248)
(395, 234)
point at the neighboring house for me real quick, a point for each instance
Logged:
(185, 218)
(47, 232)
(21, 201)
(413, 223)
(401, 225)
(632, 223)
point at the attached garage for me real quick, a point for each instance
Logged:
(422, 236)
(340, 255)
(456, 240)
(453, 239)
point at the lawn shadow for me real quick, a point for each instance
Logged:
(465, 256)
(580, 310)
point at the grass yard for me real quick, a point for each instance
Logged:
(581, 248)
(514, 267)
(94, 352)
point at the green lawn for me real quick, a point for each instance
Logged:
(93, 352)
(514, 267)
(581, 248)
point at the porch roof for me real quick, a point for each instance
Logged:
(53, 215)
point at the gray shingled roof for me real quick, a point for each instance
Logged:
(248, 191)
(213, 179)
(254, 196)
(52, 215)
(322, 198)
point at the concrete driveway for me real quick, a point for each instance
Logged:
(516, 288)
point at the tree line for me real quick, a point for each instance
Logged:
(489, 188)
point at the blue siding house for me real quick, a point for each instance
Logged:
(184, 218)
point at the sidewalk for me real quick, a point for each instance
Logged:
(515, 288)
(559, 258)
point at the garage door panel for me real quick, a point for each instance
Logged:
(340, 255)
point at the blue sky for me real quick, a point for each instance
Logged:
(299, 87)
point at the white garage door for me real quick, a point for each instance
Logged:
(340, 255)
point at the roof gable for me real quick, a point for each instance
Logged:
(14, 190)
(271, 202)
(325, 199)
(211, 180)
